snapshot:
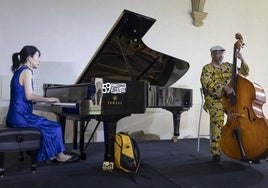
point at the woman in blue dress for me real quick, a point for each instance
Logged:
(20, 112)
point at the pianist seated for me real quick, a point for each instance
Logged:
(20, 112)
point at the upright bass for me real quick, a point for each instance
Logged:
(245, 134)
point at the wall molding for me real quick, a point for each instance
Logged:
(198, 13)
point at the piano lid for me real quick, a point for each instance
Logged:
(123, 55)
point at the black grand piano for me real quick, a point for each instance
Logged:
(123, 77)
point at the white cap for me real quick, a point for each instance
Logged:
(217, 48)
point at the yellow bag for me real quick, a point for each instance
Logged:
(126, 153)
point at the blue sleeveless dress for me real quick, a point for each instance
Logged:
(20, 114)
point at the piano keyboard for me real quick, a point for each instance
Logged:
(64, 104)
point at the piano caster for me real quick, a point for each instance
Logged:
(174, 138)
(108, 166)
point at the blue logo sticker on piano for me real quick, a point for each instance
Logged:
(114, 88)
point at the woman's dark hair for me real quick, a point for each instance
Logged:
(19, 58)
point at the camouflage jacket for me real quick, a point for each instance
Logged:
(213, 79)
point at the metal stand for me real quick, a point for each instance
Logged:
(199, 122)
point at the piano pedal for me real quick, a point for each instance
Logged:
(108, 166)
(82, 155)
(174, 138)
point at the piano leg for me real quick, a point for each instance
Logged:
(176, 111)
(109, 129)
(82, 140)
(62, 121)
(75, 132)
(176, 124)
(81, 153)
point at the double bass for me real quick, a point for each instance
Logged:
(245, 133)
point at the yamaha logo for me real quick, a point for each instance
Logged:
(114, 101)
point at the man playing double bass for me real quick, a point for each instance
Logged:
(215, 78)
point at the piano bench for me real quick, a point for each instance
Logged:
(19, 140)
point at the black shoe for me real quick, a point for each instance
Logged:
(257, 161)
(216, 159)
